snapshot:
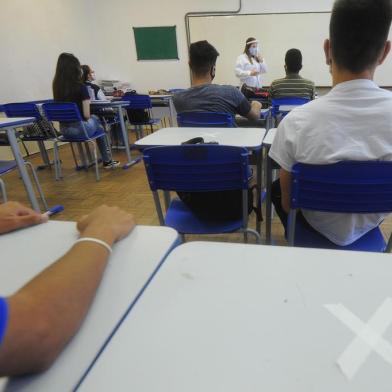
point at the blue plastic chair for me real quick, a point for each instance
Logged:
(198, 168)
(68, 112)
(8, 166)
(344, 187)
(276, 112)
(205, 119)
(141, 102)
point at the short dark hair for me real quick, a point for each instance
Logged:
(358, 31)
(293, 60)
(202, 57)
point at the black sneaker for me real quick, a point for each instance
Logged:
(111, 164)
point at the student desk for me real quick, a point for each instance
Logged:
(250, 138)
(9, 126)
(165, 100)
(269, 167)
(134, 261)
(118, 106)
(232, 317)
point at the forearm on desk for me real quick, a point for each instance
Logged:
(47, 312)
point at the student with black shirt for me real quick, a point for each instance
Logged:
(68, 87)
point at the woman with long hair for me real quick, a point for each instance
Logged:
(250, 65)
(68, 87)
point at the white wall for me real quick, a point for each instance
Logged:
(99, 32)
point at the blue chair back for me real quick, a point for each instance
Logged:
(294, 101)
(63, 112)
(205, 119)
(350, 186)
(196, 168)
(138, 101)
(22, 109)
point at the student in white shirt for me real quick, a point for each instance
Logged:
(352, 122)
(250, 65)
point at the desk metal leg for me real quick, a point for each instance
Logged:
(44, 155)
(268, 206)
(171, 110)
(130, 162)
(166, 197)
(22, 169)
(259, 185)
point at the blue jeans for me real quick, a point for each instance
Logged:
(92, 125)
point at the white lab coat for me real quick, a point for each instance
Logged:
(243, 68)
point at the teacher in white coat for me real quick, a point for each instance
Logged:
(250, 65)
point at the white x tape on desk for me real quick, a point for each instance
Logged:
(369, 336)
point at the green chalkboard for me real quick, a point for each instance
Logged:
(156, 43)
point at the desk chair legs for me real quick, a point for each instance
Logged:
(3, 191)
(158, 208)
(291, 226)
(388, 249)
(38, 185)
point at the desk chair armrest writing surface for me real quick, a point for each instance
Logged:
(359, 187)
(276, 103)
(66, 113)
(205, 119)
(198, 168)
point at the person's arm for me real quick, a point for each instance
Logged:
(101, 96)
(47, 312)
(285, 186)
(254, 112)
(262, 65)
(86, 109)
(240, 70)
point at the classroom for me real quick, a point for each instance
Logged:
(196, 196)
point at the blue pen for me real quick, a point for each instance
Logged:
(54, 210)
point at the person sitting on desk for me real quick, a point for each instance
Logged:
(204, 96)
(352, 122)
(37, 321)
(293, 85)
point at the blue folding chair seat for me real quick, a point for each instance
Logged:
(141, 103)
(205, 119)
(68, 112)
(198, 168)
(344, 187)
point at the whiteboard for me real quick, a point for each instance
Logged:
(277, 33)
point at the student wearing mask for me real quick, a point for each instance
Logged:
(250, 65)
(68, 87)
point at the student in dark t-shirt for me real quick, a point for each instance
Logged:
(204, 96)
(68, 87)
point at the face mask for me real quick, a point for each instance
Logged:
(253, 51)
(212, 73)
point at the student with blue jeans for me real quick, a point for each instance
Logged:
(68, 87)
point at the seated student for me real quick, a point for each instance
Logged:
(88, 79)
(37, 321)
(204, 96)
(352, 122)
(293, 85)
(68, 87)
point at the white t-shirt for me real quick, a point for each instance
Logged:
(352, 122)
(243, 68)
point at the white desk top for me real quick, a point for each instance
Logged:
(240, 137)
(25, 253)
(233, 317)
(109, 103)
(15, 121)
(161, 96)
(269, 137)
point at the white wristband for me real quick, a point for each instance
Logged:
(96, 240)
